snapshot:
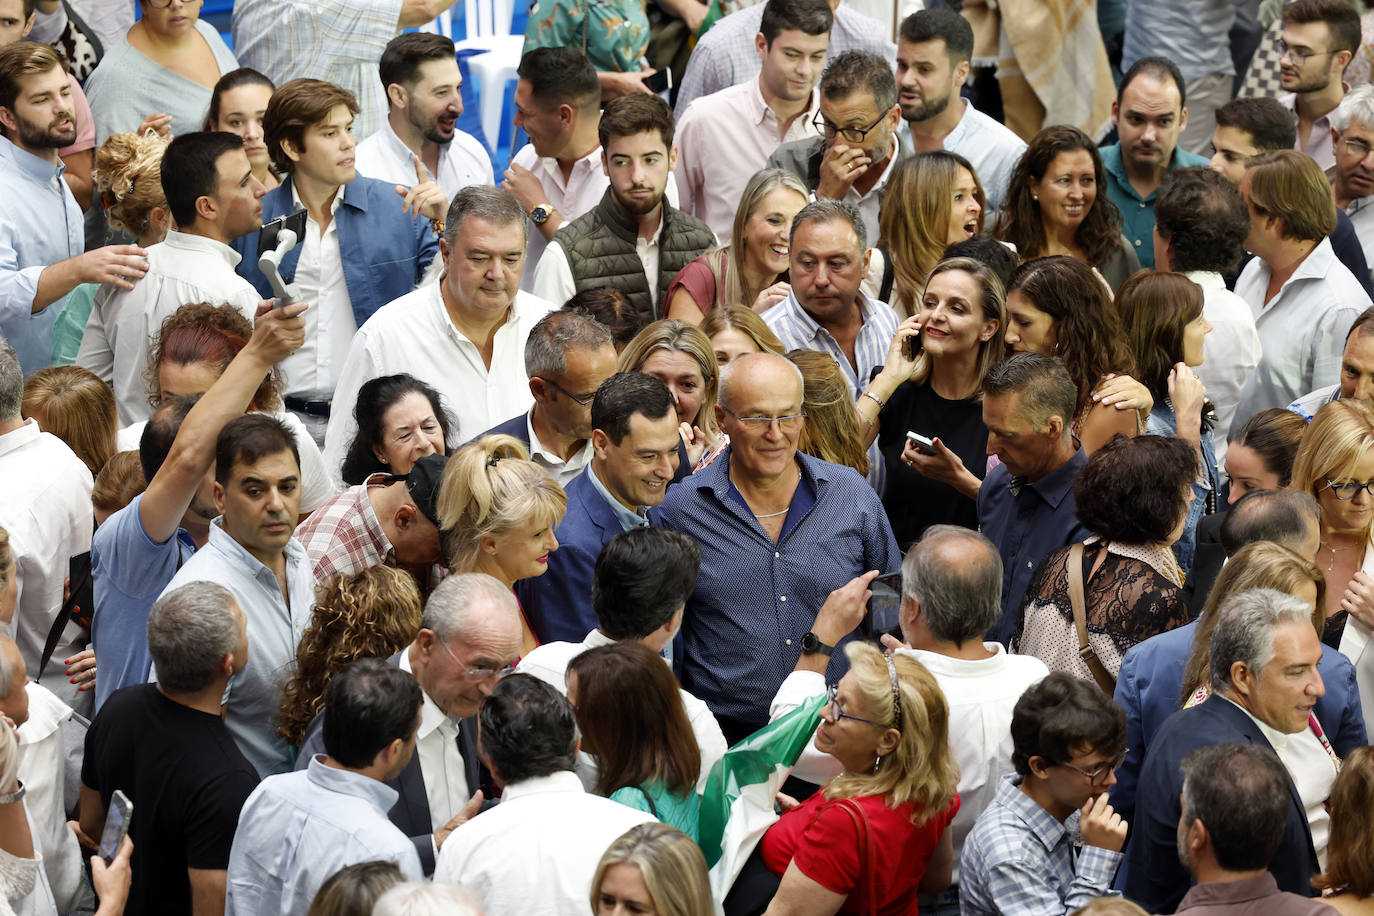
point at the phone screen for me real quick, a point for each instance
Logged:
(884, 607)
(116, 825)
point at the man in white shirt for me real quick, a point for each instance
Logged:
(933, 53)
(1303, 298)
(642, 580)
(744, 124)
(535, 853)
(1319, 39)
(567, 357)
(1352, 131)
(1200, 227)
(46, 508)
(424, 99)
(1357, 371)
(465, 335)
(214, 199)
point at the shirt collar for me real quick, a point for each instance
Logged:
(628, 518)
(1315, 264)
(431, 716)
(333, 207)
(1047, 829)
(1228, 894)
(1358, 204)
(398, 146)
(347, 782)
(38, 168)
(1056, 486)
(16, 439)
(1209, 280)
(758, 105)
(445, 323)
(564, 782)
(187, 241)
(596, 639)
(236, 552)
(803, 317)
(1277, 739)
(371, 523)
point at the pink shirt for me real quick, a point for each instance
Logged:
(85, 123)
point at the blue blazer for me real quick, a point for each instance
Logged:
(384, 250)
(1154, 877)
(558, 604)
(1152, 675)
(519, 427)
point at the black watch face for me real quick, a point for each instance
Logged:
(811, 643)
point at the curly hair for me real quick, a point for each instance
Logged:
(1205, 218)
(128, 175)
(204, 333)
(1099, 235)
(1132, 491)
(1087, 328)
(371, 614)
(831, 432)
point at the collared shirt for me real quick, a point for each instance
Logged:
(1312, 770)
(345, 536)
(554, 281)
(414, 334)
(628, 518)
(298, 829)
(735, 125)
(585, 186)
(463, 161)
(1319, 143)
(560, 470)
(1026, 524)
(1229, 354)
(274, 629)
(41, 770)
(312, 370)
(535, 853)
(725, 56)
(755, 598)
(1302, 329)
(40, 225)
(869, 202)
(339, 41)
(441, 759)
(182, 269)
(1308, 405)
(1020, 859)
(1258, 895)
(1361, 213)
(991, 147)
(45, 505)
(1138, 213)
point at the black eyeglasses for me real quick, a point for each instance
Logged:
(584, 400)
(163, 4)
(850, 134)
(1096, 775)
(838, 710)
(1349, 489)
(1299, 56)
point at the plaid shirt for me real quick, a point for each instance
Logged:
(345, 536)
(1020, 861)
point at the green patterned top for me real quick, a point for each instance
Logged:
(613, 34)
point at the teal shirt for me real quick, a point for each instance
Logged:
(613, 34)
(71, 324)
(1138, 213)
(674, 810)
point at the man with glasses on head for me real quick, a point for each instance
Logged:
(1068, 737)
(469, 636)
(779, 530)
(1318, 41)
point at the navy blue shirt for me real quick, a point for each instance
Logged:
(1027, 527)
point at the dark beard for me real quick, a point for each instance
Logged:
(31, 136)
(927, 110)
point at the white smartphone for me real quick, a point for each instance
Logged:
(116, 825)
(921, 443)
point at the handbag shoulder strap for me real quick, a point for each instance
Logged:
(1080, 622)
(868, 897)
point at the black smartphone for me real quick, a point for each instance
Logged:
(911, 346)
(661, 81)
(884, 607)
(116, 825)
(267, 236)
(82, 589)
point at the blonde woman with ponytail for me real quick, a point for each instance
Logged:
(497, 514)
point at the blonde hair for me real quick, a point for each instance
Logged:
(744, 320)
(77, 407)
(920, 769)
(728, 259)
(671, 864)
(6, 558)
(119, 481)
(128, 174)
(993, 302)
(831, 431)
(1336, 441)
(1109, 906)
(491, 487)
(672, 335)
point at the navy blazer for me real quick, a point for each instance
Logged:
(1154, 877)
(1151, 677)
(558, 604)
(411, 812)
(518, 426)
(384, 250)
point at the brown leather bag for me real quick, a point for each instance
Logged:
(1080, 622)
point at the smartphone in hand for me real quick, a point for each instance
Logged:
(116, 825)
(921, 443)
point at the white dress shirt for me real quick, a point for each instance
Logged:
(1302, 329)
(462, 161)
(42, 770)
(736, 126)
(1357, 644)
(45, 505)
(535, 853)
(554, 280)
(869, 203)
(182, 269)
(1229, 354)
(441, 762)
(560, 470)
(1361, 213)
(414, 334)
(311, 372)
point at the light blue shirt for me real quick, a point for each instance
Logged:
(274, 629)
(297, 829)
(40, 225)
(991, 148)
(1194, 35)
(627, 518)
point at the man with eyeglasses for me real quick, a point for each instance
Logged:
(567, 357)
(469, 638)
(1352, 132)
(779, 530)
(1067, 737)
(860, 146)
(1319, 39)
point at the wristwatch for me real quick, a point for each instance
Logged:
(811, 645)
(540, 214)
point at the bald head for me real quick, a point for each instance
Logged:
(753, 374)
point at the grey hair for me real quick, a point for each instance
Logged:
(1358, 105)
(426, 898)
(1045, 386)
(961, 600)
(462, 597)
(190, 630)
(824, 211)
(11, 382)
(498, 207)
(546, 349)
(734, 366)
(1245, 630)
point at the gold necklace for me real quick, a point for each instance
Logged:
(1333, 551)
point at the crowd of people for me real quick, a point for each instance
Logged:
(835, 467)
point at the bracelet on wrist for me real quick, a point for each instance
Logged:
(880, 402)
